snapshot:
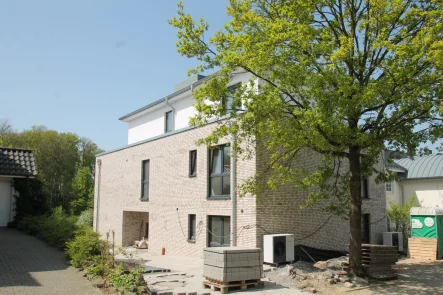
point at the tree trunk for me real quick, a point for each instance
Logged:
(355, 216)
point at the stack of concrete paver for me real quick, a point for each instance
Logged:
(226, 267)
(378, 261)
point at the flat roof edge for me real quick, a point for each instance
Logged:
(146, 107)
(147, 140)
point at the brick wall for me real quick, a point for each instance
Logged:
(172, 194)
(279, 211)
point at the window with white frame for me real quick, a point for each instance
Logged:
(389, 186)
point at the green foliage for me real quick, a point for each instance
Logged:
(84, 247)
(338, 78)
(128, 279)
(29, 198)
(97, 267)
(82, 190)
(86, 218)
(399, 215)
(65, 164)
(56, 229)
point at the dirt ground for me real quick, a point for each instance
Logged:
(414, 277)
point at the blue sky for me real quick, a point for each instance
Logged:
(77, 66)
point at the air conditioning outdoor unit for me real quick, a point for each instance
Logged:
(278, 248)
(393, 239)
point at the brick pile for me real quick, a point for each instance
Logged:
(378, 261)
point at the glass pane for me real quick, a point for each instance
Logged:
(215, 234)
(145, 170)
(216, 162)
(227, 231)
(227, 103)
(169, 121)
(145, 190)
(192, 227)
(227, 159)
(216, 185)
(226, 185)
(193, 163)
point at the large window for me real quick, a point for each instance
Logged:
(365, 228)
(219, 232)
(169, 121)
(219, 171)
(145, 180)
(193, 163)
(192, 226)
(228, 102)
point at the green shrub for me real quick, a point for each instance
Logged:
(31, 224)
(55, 229)
(98, 267)
(131, 280)
(84, 247)
(58, 228)
(86, 218)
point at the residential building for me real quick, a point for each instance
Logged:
(177, 194)
(420, 178)
(14, 163)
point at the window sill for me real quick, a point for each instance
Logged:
(192, 176)
(144, 200)
(218, 198)
(191, 241)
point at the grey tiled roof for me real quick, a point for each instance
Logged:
(423, 167)
(17, 162)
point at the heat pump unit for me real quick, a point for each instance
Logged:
(278, 248)
(393, 239)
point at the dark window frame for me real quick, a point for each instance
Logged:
(166, 121)
(229, 100)
(193, 165)
(221, 174)
(222, 226)
(366, 228)
(145, 180)
(364, 188)
(364, 182)
(192, 227)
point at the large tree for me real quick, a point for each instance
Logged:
(65, 164)
(342, 78)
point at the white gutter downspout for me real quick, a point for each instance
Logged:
(99, 164)
(233, 189)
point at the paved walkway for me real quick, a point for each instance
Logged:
(29, 266)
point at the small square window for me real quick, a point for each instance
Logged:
(193, 163)
(389, 186)
(192, 225)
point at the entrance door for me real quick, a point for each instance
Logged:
(5, 202)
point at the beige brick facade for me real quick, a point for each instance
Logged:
(173, 195)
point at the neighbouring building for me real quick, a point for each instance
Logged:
(420, 178)
(164, 187)
(14, 163)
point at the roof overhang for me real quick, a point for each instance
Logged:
(147, 108)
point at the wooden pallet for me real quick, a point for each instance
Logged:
(423, 248)
(225, 287)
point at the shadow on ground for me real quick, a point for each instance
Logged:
(21, 255)
(414, 277)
